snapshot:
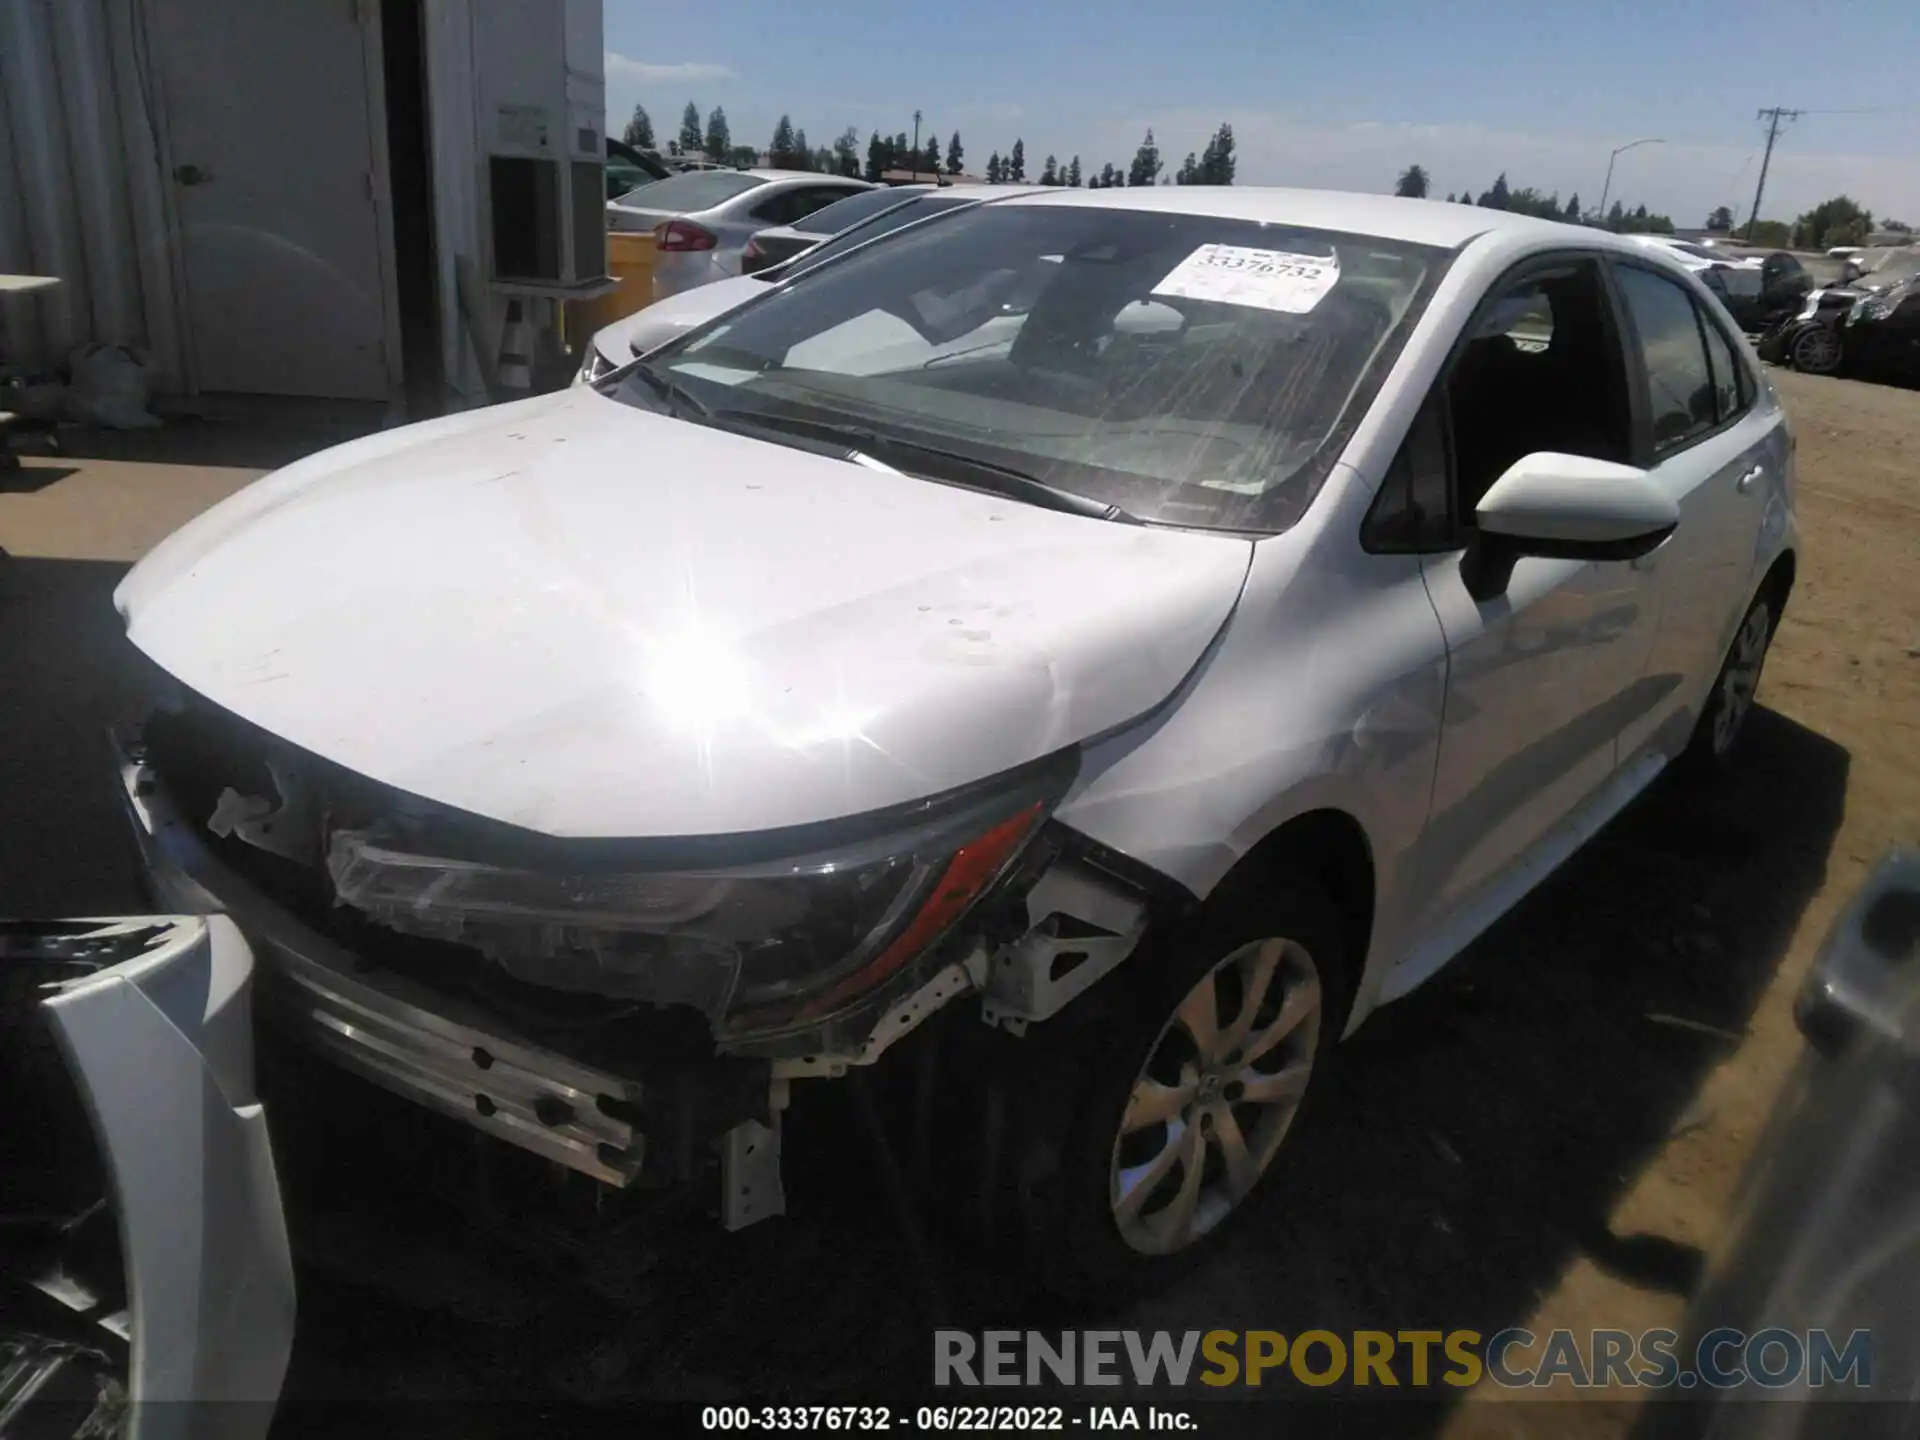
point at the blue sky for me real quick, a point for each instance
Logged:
(1338, 94)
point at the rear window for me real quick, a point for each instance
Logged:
(832, 219)
(696, 190)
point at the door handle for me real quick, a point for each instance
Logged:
(1746, 481)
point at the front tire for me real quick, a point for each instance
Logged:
(1185, 1088)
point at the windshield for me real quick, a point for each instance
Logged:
(695, 190)
(1189, 369)
(1893, 266)
(842, 214)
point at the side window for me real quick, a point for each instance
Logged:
(1540, 368)
(1680, 390)
(1412, 514)
(778, 208)
(1732, 388)
(805, 202)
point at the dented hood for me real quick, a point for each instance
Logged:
(589, 620)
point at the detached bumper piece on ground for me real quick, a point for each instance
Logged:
(145, 1282)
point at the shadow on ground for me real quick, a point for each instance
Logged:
(1472, 1142)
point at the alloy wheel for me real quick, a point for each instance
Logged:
(1816, 350)
(1218, 1092)
(1741, 678)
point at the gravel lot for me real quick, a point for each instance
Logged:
(1549, 1134)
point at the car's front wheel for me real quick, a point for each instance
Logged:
(1189, 1081)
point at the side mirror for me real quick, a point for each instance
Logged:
(1565, 507)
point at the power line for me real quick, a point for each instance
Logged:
(1773, 116)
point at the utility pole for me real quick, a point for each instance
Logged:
(916, 145)
(1773, 117)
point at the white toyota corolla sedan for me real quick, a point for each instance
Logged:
(1130, 634)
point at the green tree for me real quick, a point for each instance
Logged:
(930, 161)
(1216, 161)
(956, 156)
(1413, 183)
(901, 156)
(1017, 164)
(996, 169)
(1898, 227)
(1616, 216)
(846, 153)
(1147, 165)
(691, 137)
(719, 138)
(1572, 212)
(1050, 172)
(1496, 197)
(1721, 220)
(802, 151)
(1770, 234)
(780, 150)
(1111, 177)
(1072, 175)
(1839, 221)
(1189, 171)
(639, 131)
(743, 157)
(876, 158)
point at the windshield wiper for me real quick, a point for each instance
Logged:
(862, 440)
(676, 395)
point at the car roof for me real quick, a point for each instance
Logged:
(814, 176)
(1417, 222)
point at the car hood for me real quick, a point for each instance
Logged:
(661, 321)
(586, 619)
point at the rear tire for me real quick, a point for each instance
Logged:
(1723, 718)
(1156, 1110)
(1815, 350)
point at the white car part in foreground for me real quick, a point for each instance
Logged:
(156, 1024)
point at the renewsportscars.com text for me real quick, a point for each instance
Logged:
(1649, 1359)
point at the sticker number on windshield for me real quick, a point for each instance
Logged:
(1258, 279)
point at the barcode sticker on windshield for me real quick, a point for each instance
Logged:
(1258, 279)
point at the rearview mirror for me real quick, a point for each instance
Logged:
(1566, 507)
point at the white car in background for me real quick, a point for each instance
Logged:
(781, 243)
(1229, 624)
(616, 344)
(701, 221)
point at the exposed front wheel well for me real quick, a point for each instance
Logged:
(1326, 846)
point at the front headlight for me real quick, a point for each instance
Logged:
(764, 944)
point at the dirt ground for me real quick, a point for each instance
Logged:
(1550, 1134)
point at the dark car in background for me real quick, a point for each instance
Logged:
(1868, 328)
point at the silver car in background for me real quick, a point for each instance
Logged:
(701, 221)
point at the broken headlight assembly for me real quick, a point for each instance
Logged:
(760, 946)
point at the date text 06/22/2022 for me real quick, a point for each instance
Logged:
(933, 1419)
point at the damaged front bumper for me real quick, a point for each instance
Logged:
(152, 1018)
(425, 1046)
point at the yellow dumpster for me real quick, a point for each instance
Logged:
(630, 261)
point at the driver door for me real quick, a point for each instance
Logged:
(1543, 675)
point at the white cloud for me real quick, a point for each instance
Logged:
(655, 72)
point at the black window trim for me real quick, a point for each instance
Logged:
(1459, 533)
(1646, 456)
